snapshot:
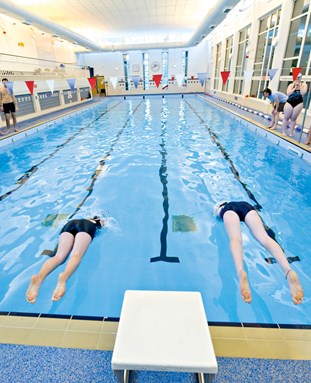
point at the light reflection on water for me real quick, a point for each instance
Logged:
(153, 159)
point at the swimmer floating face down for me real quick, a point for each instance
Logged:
(235, 212)
(74, 239)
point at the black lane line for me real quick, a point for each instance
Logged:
(103, 161)
(227, 157)
(214, 137)
(26, 176)
(98, 170)
(163, 178)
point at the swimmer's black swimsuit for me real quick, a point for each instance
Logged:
(76, 226)
(295, 98)
(240, 207)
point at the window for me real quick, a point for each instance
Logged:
(126, 63)
(268, 35)
(298, 45)
(146, 70)
(241, 60)
(217, 66)
(228, 56)
(299, 39)
(164, 79)
(184, 64)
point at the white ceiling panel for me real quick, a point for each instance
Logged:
(121, 24)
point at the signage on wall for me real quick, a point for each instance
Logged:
(155, 66)
(135, 68)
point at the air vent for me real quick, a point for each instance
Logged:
(26, 22)
(212, 26)
(227, 10)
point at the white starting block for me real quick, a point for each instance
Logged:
(163, 331)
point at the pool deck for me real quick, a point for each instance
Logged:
(235, 340)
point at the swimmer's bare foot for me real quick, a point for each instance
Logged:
(60, 288)
(33, 289)
(295, 287)
(244, 287)
(16, 130)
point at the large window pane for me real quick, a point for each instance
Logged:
(295, 37)
(301, 6)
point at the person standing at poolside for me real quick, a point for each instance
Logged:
(8, 105)
(75, 237)
(308, 140)
(277, 100)
(234, 212)
(294, 104)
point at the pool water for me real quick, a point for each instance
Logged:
(156, 166)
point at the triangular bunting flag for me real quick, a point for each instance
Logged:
(248, 74)
(202, 77)
(51, 84)
(114, 81)
(9, 85)
(135, 80)
(272, 73)
(296, 72)
(157, 79)
(179, 79)
(224, 76)
(71, 83)
(30, 86)
(92, 82)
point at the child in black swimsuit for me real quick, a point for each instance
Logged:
(232, 213)
(75, 238)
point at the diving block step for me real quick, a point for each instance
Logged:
(163, 331)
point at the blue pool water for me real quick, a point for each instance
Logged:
(158, 166)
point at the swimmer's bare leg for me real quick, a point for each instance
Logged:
(33, 289)
(244, 287)
(233, 228)
(254, 222)
(65, 244)
(81, 243)
(295, 287)
(60, 288)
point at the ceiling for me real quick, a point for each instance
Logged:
(108, 25)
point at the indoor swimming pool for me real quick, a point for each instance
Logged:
(154, 168)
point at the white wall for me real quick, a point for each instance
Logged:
(27, 41)
(105, 63)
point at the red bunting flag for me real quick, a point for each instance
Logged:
(225, 76)
(157, 79)
(30, 86)
(295, 72)
(92, 82)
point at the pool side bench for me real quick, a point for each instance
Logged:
(163, 331)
